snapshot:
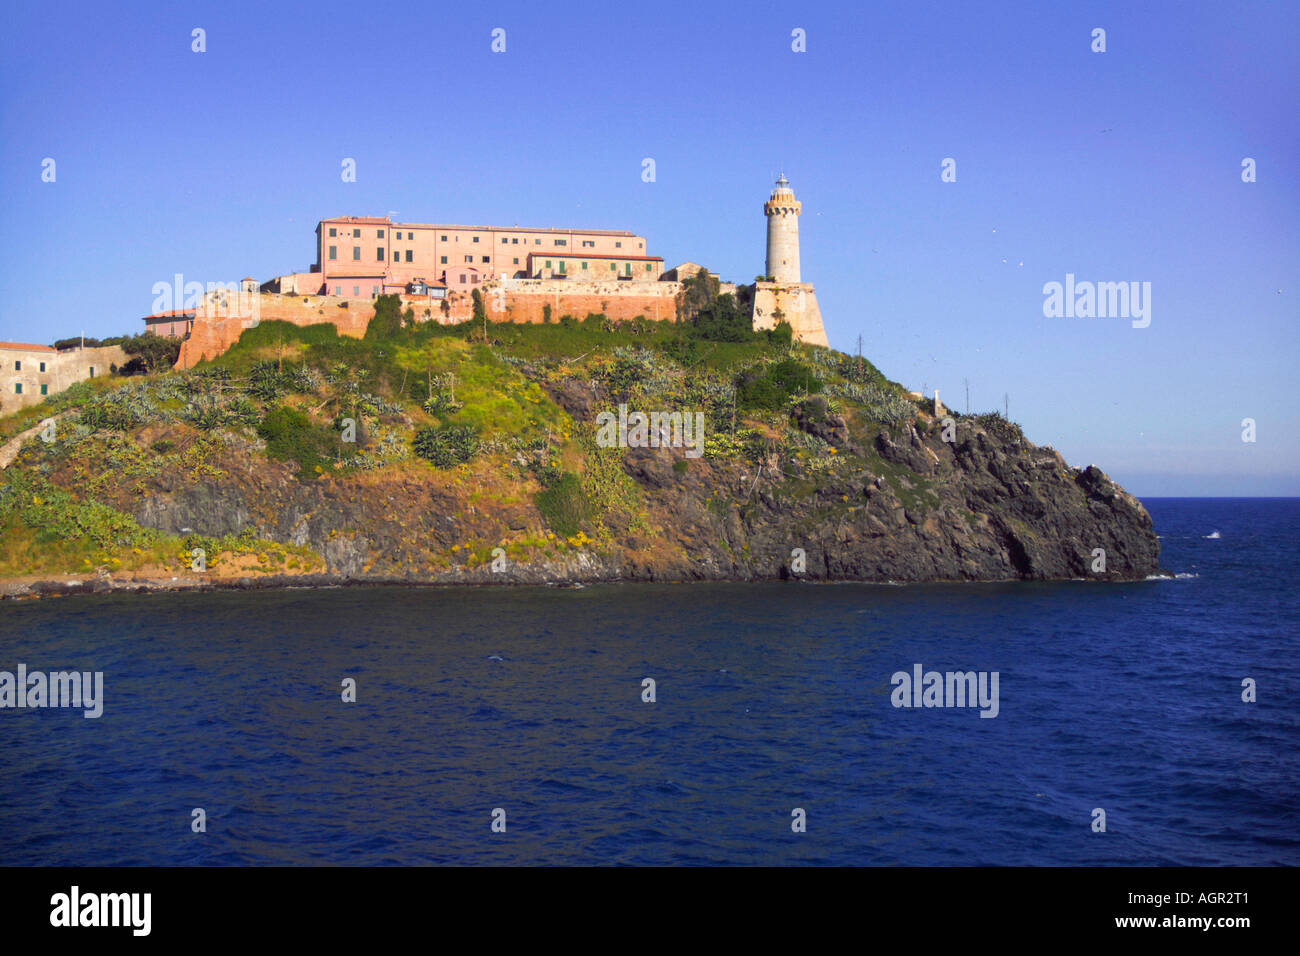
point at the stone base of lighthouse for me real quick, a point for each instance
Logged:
(797, 303)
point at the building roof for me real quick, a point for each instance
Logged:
(385, 221)
(364, 220)
(590, 255)
(27, 347)
(174, 314)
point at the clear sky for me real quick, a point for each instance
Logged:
(1115, 166)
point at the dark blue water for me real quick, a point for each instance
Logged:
(1123, 697)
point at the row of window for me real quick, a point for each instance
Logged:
(379, 254)
(586, 243)
(613, 267)
(18, 366)
(45, 389)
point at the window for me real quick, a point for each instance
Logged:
(505, 241)
(514, 242)
(356, 233)
(614, 267)
(92, 371)
(18, 388)
(647, 267)
(476, 238)
(338, 290)
(18, 366)
(462, 277)
(444, 239)
(408, 255)
(548, 263)
(584, 265)
(45, 390)
(333, 232)
(469, 258)
(561, 266)
(374, 291)
(356, 290)
(334, 252)
(618, 245)
(379, 254)
(561, 242)
(379, 233)
(516, 260)
(537, 242)
(640, 244)
(486, 259)
(443, 260)
(588, 243)
(42, 366)
(356, 253)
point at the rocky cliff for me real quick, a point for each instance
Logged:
(840, 477)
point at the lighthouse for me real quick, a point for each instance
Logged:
(781, 295)
(783, 211)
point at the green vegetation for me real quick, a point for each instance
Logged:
(291, 436)
(562, 505)
(481, 412)
(769, 388)
(446, 447)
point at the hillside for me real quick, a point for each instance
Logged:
(481, 436)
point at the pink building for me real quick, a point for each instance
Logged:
(175, 324)
(364, 256)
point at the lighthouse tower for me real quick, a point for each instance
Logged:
(783, 212)
(781, 295)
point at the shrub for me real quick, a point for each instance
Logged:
(445, 447)
(724, 321)
(291, 436)
(769, 388)
(563, 505)
(387, 322)
(623, 374)
(266, 381)
(782, 335)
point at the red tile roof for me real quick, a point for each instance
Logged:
(174, 314)
(27, 347)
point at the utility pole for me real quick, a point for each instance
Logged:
(1005, 407)
(859, 355)
(966, 382)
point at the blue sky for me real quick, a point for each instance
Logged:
(1115, 166)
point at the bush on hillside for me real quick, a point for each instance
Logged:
(769, 388)
(445, 447)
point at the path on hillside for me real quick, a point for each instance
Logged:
(9, 451)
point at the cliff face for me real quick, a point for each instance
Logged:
(246, 462)
(985, 507)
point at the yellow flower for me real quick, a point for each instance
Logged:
(455, 547)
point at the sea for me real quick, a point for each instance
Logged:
(1148, 723)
